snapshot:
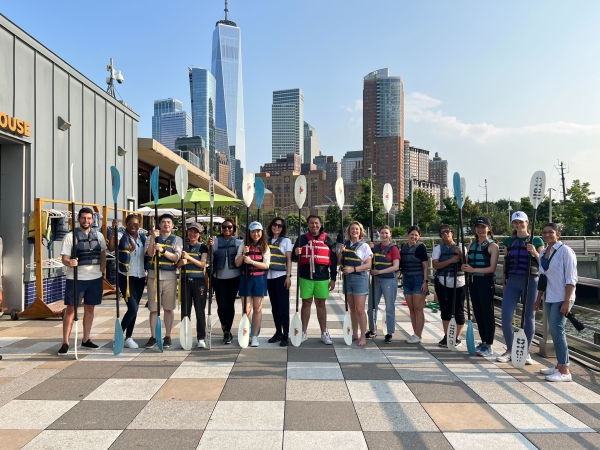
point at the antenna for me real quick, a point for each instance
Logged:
(114, 75)
(226, 10)
(561, 170)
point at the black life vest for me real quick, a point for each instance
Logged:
(227, 249)
(278, 258)
(351, 258)
(163, 262)
(88, 248)
(380, 260)
(192, 270)
(451, 270)
(409, 263)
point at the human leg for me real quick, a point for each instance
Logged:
(257, 310)
(305, 312)
(510, 298)
(321, 314)
(444, 302)
(358, 307)
(377, 293)
(283, 296)
(556, 323)
(486, 294)
(529, 324)
(459, 310)
(389, 287)
(197, 289)
(418, 303)
(274, 299)
(88, 320)
(136, 289)
(476, 302)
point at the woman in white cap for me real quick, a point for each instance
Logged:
(254, 258)
(519, 252)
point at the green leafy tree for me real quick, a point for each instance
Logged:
(292, 221)
(449, 215)
(424, 209)
(592, 214)
(578, 199)
(332, 219)
(361, 209)
(471, 211)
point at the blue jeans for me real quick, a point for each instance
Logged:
(556, 323)
(512, 294)
(136, 289)
(388, 287)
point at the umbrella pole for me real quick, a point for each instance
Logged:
(196, 212)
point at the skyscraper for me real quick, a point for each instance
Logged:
(416, 164)
(287, 124)
(227, 70)
(167, 105)
(383, 130)
(203, 94)
(312, 148)
(170, 122)
(349, 163)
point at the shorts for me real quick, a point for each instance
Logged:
(357, 284)
(314, 288)
(168, 295)
(412, 284)
(88, 290)
(257, 286)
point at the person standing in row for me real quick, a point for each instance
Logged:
(317, 272)
(279, 279)
(558, 268)
(194, 259)
(226, 275)
(132, 271)
(413, 263)
(386, 263)
(254, 258)
(356, 255)
(518, 253)
(167, 248)
(483, 259)
(90, 263)
(449, 282)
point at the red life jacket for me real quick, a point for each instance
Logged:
(315, 251)
(257, 256)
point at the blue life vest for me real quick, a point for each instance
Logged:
(351, 258)
(192, 270)
(278, 258)
(451, 270)
(409, 263)
(225, 249)
(380, 260)
(125, 247)
(517, 258)
(88, 248)
(479, 257)
(163, 262)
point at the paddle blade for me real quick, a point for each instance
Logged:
(470, 338)
(154, 184)
(119, 342)
(248, 188)
(388, 197)
(296, 330)
(463, 188)
(244, 331)
(185, 334)
(181, 180)
(115, 178)
(211, 192)
(77, 321)
(457, 189)
(339, 193)
(347, 329)
(537, 187)
(208, 331)
(158, 334)
(451, 336)
(300, 191)
(259, 187)
(519, 349)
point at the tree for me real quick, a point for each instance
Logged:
(292, 221)
(361, 210)
(332, 219)
(592, 214)
(424, 209)
(578, 199)
(449, 215)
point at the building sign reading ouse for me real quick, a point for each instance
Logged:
(14, 125)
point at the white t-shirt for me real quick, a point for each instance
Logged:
(285, 246)
(460, 280)
(91, 272)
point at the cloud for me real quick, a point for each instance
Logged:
(355, 107)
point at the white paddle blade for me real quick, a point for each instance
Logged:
(244, 331)
(388, 197)
(211, 190)
(181, 180)
(296, 330)
(208, 331)
(300, 191)
(248, 188)
(537, 188)
(185, 333)
(339, 192)
(347, 329)
(451, 336)
(519, 350)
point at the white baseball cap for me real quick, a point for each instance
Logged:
(519, 215)
(255, 226)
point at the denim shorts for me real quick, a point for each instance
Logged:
(412, 284)
(88, 290)
(257, 285)
(357, 283)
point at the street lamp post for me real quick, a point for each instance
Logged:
(412, 191)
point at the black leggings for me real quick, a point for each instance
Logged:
(196, 295)
(136, 289)
(445, 296)
(280, 304)
(482, 294)
(226, 291)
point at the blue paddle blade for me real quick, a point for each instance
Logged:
(158, 334)
(259, 191)
(154, 184)
(119, 342)
(457, 190)
(470, 338)
(116, 182)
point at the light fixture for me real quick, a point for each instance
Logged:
(121, 151)
(63, 124)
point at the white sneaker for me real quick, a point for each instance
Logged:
(254, 342)
(326, 339)
(130, 343)
(529, 360)
(504, 358)
(201, 343)
(414, 339)
(304, 336)
(557, 376)
(548, 371)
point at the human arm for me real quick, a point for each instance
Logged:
(288, 264)
(239, 257)
(151, 246)
(437, 252)
(538, 300)
(65, 251)
(366, 265)
(571, 278)
(102, 243)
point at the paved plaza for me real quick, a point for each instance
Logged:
(384, 396)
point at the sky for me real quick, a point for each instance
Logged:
(499, 89)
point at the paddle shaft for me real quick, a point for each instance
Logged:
(156, 265)
(74, 255)
(343, 259)
(372, 291)
(246, 271)
(525, 291)
(461, 234)
(116, 234)
(183, 269)
(210, 251)
(298, 264)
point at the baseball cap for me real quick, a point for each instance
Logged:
(195, 225)
(255, 226)
(519, 215)
(483, 221)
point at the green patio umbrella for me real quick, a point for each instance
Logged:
(196, 198)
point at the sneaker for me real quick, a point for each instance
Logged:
(388, 338)
(548, 371)
(284, 341)
(201, 343)
(458, 343)
(276, 338)
(167, 342)
(486, 351)
(326, 339)
(479, 347)
(130, 343)
(414, 339)
(227, 338)
(443, 343)
(505, 358)
(254, 342)
(151, 343)
(304, 336)
(529, 360)
(557, 376)
(89, 344)
(64, 349)
(371, 334)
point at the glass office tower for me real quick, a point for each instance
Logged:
(203, 93)
(287, 124)
(167, 105)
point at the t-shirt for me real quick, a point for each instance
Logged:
(285, 246)
(393, 254)
(537, 241)
(460, 280)
(90, 272)
(167, 274)
(266, 256)
(364, 251)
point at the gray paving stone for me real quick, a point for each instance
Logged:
(259, 370)
(425, 372)
(587, 413)
(450, 357)
(62, 389)
(385, 440)
(253, 389)
(173, 415)
(17, 386)
(503, 392)
(99, 415)
(126, 389)
(490, 441)
(79, 439)
(323, 440)
(571, 441)
(314, 371)
(148, 369)
(394, 417)
(266, 416)
(158, 439)
(380, 391)
(262, 355)
(32, 414)
(443, 392)
(218, 353)
(358, 371)
(320, 416)
(360, 355)
(317, 391)
(300, 354)
(91, 369)
(546, 418)
(263, 440)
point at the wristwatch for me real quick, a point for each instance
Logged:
(290, 275)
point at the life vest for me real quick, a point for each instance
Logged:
(315, 252)
(88, 248)
(380, 261)
(255, 255)
(451, 269)
(125, 251)
(409, 263)
(192, 270)
(518, 257)
(350, 257)
(163, 262)
(479, 256)
(278, 259)
(46, 226)
(225, 250)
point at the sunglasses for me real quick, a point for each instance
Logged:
(278, 225)
(227, 227)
